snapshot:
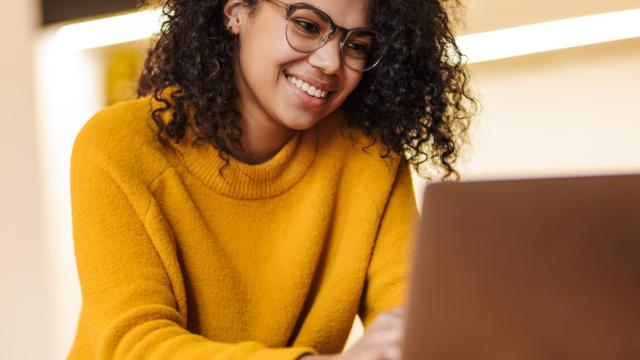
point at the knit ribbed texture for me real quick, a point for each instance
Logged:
(241, 180)
(269, 261)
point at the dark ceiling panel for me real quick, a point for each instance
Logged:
(65, 10)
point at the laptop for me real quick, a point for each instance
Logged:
(527, 269)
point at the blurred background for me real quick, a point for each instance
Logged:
(558, 82)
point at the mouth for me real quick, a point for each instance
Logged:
(316, 92)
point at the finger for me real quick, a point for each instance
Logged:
(396, 314)
(402, 309)
(387, 321)
(393, 335)
(391, 353)
(399, 311)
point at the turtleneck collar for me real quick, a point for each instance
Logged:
(247, 181)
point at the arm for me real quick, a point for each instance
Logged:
(386, 278)
(129, 306)
(387, 275)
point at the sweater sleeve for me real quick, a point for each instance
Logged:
(129, 308)
(387, 274)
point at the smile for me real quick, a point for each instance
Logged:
(309, 89)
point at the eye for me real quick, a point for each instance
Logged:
(306, 26)
(357, 48)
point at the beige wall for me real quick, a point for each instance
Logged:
(560, 113)
(566, 112)
(24, 333)
(69, 92)
(486, 15)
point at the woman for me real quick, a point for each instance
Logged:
(257, 197)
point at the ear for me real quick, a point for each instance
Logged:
(232, 14)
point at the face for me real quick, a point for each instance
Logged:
(269, 69)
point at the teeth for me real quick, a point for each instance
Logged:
(311, 90)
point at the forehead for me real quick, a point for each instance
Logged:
(346, 13)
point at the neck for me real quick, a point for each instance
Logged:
(261, 140)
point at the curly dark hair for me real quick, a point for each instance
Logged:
(416, 101)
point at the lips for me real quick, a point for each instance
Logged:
(318, 84)
(309, 89)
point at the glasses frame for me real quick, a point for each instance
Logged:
(291, 8)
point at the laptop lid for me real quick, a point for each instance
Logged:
(527, 269)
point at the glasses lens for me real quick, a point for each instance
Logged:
(361, 50)
(306, 28)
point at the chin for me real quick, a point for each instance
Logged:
(300, 126)
(300, 123)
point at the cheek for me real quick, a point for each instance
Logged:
(351, 81)
(266, 62)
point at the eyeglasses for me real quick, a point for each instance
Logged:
(308, 29)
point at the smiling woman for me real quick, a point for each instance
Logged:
(257, 196)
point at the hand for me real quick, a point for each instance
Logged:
(382, 340)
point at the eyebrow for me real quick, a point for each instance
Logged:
(302, 3)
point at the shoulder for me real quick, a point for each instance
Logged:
(120, 124)
(121, 139)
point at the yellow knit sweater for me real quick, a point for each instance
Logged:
(271, 261)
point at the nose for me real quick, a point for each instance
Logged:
(328, 57)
